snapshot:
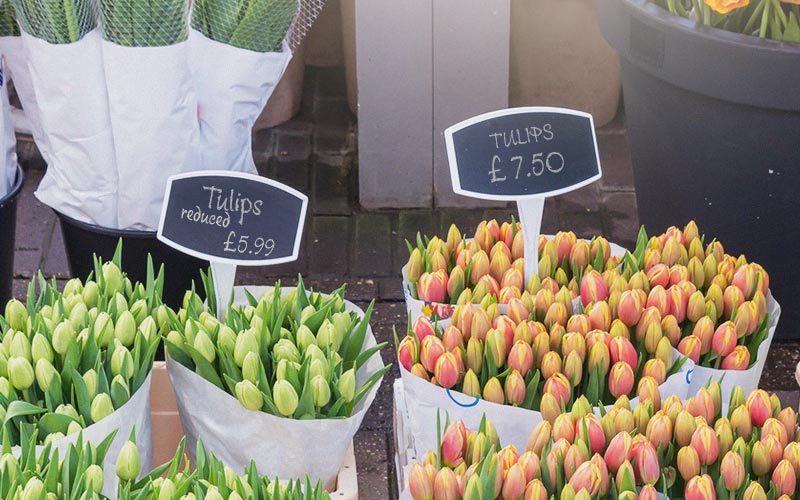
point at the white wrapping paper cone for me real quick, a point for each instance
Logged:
(81, 179)
(16, 67)
(282, 447)
(233, 85)
(154, 121)
(8, 143)
(134, 413)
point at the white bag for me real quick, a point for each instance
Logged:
(81, 179)
(8, 143)
(282, 447)
(153, 111)
(136, 412)
(747, 379)
(16, 69)
(233, 85)
(514, 425)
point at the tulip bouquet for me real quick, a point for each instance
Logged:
(68, 360)
(294, 356)
(8, 20)
(303, 368)
(490, 266)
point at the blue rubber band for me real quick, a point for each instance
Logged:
(469, 405)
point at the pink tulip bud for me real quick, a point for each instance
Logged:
(738, 359)
(690, 346)
(622, 349)
(705, 443)
(480, 267)
(560, 387)
(621, 378)
(659, 430)
(593, 288)
(564, 428)
(754, 491)
(700, 488)
(658, 275)
(732, 471)
(420, 482)
(657, 298)
(408, 352)
(599, 315)
(419, 371)
(784, 478)
(432, 287)
(618, 451)
(431, 349)
(456, 282)
(597, 438)
(514, 483)
(492, 285)
(515, 388)
(630, 307)
(535, 490)
(576, 454)
(447, 370)
(586, 477)
(422, 328)
(480, 323)
(493, 391)
(732, 297)
(648, 492)
(788, 417)
(454, 444)
(551, 364)
(517, 312)
(744, 279)
(414, 266)
(520, 357)
(759, 406)
(656, 369)
(688, 462)
(549, 407)
(539, 438)
(702, 405)
(646, 464)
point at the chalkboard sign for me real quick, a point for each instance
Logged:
(235, 218)
(523, 152)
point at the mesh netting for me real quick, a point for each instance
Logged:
(145, 23)
(56, 21)
(258, 25)
(8, 20)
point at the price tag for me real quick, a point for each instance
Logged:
(523, 154)
(230, 219)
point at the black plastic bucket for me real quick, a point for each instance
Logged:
(8, 225)
(83, 240)
(713, 120)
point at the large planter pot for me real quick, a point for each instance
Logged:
(559, 58)
(285, 101)
(713, 120)
(82, 241)
(8, 225)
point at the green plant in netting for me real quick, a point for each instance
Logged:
(144, 23)
(258, 25)
(56, 21)
(8, 20)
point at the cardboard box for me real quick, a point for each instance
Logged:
(167, 433)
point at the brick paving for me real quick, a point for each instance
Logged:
(316, 153)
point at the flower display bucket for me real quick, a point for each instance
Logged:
(8, 225)
(82, 240)
(713, 120)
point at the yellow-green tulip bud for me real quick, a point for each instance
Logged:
(90, 294)
(45, 373)
(112, 277)
(189, 496)
(5, 387)
(33, 489)
(347, 385)
(16, 314)
(8, 463)
(251, 369)
(3, 364)
(20, 373)
(94, 478)
(249, 395)
(245, 342)
(203, 345)
(63, 336)
(234, 496)
(128, 464)
(101, 407)
(318, 367)
(166, 490)
(285, 349)
(305, 338)
(148, 328)
(120, 304)
(139, 311)
(343, 323)
(326, 336)
(125, 329)
(176, 338)
(83, 337)
(40, 348)
(231, 478)
(192, 298)
(73, 287)
(90, 379)
(213, 494)
(226, 339)
(103, 329)
(285, 397)
(20, 346)
(122, 359)
(53, 437)
(190, 330)
(286, 369)
(73, 428)
(321, 391)
(68, 410)
(307, 312)
(162, 316)
(314, 352)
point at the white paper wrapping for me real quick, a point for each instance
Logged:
(154, 121)
(233, 85)
(514, 425)
(281, 447)
(81, 178)
(439, 311)
(747, 379)
(8, 144)
(16, 69)
(136, 412)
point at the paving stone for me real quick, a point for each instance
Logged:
(331, 82)
(296, 173)
(329, 250)
(586, 199)
(391, 289)
(550, 219)
(332, 111)
(409, 223)
(620, 220)
(789, 398)
(465, 219)
(27, 263)
(35, 220)
(298, 125)
(331, 190)
(373, 245)
(55, 256)
(293, 147)
(28, 156)
(333, 141)
(615, 126)
(372, 464)
(615, 157)
(584, 225)
(780, 367)
(263, 145)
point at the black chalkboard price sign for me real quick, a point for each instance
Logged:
(233, 218)
(522, 153)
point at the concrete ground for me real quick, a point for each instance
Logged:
(316, 153)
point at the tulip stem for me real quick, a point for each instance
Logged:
(762, 32)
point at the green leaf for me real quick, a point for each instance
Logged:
(55, 422)
(354, 342)
(21, 408)
(204, 368)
